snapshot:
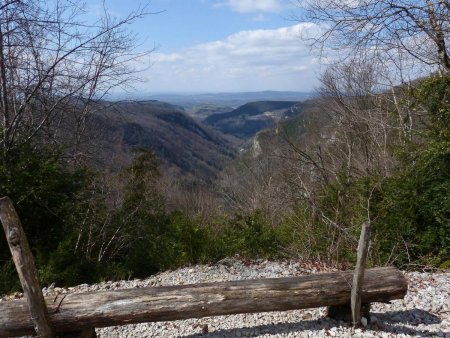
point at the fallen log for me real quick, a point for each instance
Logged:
(120, 307)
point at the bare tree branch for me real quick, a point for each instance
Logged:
(51, 64)
(419, 28)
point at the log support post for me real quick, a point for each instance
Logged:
(24, 262)
(358, 275)
(355, 310)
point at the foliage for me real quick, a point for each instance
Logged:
(42, 188)
(415, 206)
(409, 209)
(44, 192)
(169, 242)
(8, 276)
(65, 268)
(250, 235)
(179, 240)
(369, 160)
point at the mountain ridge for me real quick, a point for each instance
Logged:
(233, 99)
(247, 120)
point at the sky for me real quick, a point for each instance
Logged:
(222, 46)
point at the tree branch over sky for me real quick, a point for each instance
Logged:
(420, 28)
(51, 60)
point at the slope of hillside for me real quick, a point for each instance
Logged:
(248, 119)
(180, 143)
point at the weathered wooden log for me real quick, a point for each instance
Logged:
(358, 276)
(24, 262)
(120, 307)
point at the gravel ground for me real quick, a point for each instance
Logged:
(425, 311)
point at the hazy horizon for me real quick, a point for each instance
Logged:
(214, 96)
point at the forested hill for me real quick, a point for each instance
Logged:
(250, 118)
(180, 143)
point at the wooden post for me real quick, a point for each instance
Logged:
(358, 276)
(24, 262)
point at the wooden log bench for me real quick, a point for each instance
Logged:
(120, 307)
(76, 315)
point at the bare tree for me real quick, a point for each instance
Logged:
(359, 110)
(53, 65)
(254, 182)
(420, 28)
(347, 137)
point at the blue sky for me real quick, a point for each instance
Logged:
(222, 46)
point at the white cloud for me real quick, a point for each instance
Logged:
(246, 6)
(250, 60)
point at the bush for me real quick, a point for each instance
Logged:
(44, 192)
(416, 201)
(8, 277)
(170, 241)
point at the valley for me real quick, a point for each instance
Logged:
(196, 141)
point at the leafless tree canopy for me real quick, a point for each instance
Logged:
(52, 65)
(420, 28)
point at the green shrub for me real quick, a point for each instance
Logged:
(43, 191)
(9, 280)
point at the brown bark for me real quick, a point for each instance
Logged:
(24, 262)
(358, 277)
